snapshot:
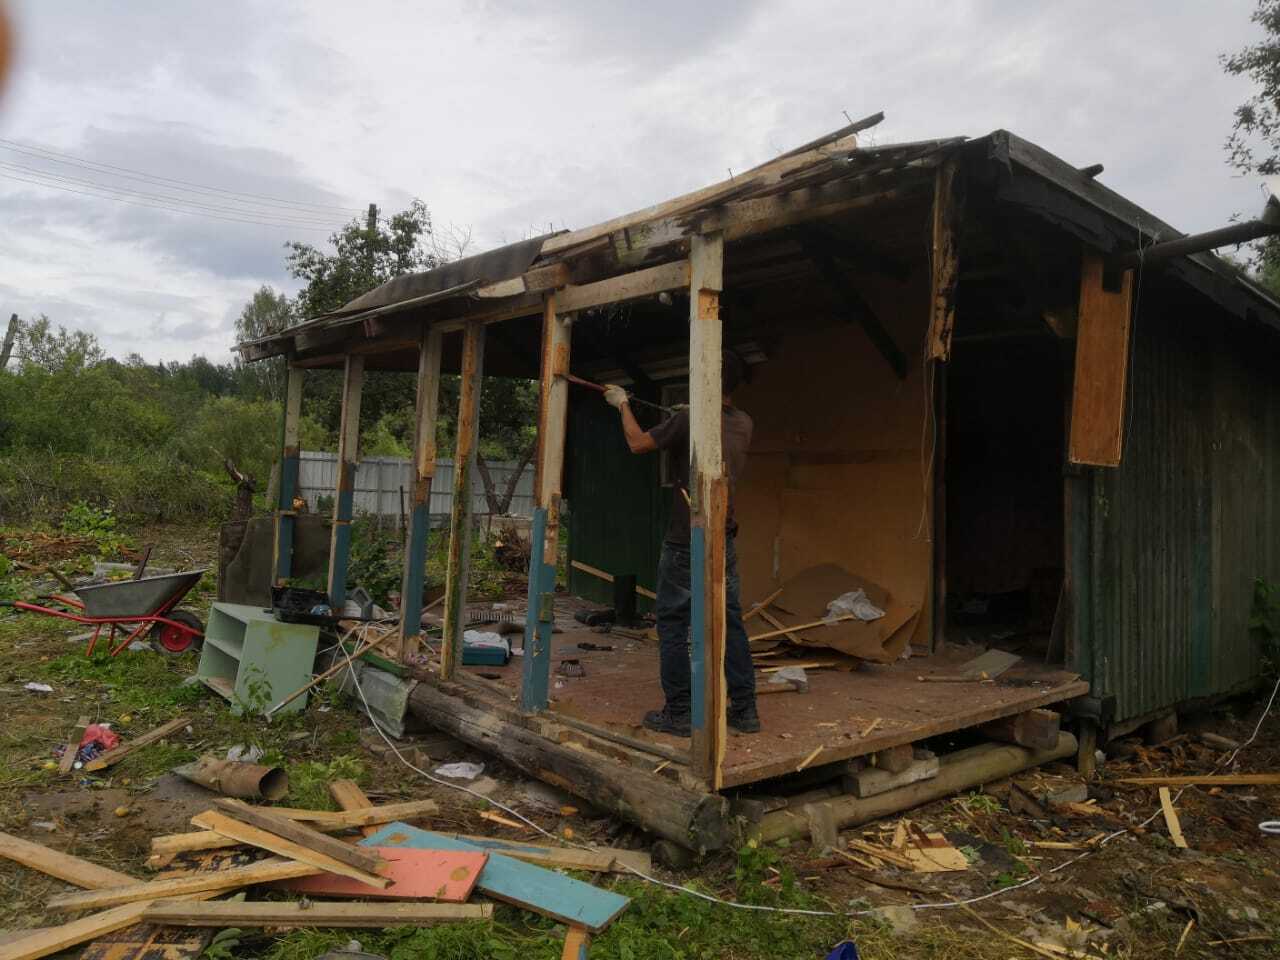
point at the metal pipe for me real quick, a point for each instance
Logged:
(234, 778)
(1265, 226)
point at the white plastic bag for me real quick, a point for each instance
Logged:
(460, 771)
(853, 603)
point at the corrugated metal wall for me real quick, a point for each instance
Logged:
(380, 480)
(622, 531)
(1168, 545)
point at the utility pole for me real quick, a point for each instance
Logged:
(371, 231)
(10, 335)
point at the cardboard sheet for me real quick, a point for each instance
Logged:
(804, 599)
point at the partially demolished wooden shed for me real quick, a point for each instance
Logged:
(976, 387)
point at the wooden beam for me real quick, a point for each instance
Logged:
(708, 493)
(1102, 366)
(695, 820)
(770, 172)
(608, 578)
(1209, 780)
(344, 492)
(348, 795)
(326, 820)
(282, 548)
(52, 940)
(426, 415)
(857, 310)
(1034, 728)
(73, 743)
(537, 280)
(553, 410)
(231, 913)
(265, 818)
(459, 565)
(116, 754)
(944, 262)
(262, 872)
(64, 866)
(628, 286)
(264, 840)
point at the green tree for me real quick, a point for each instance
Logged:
(52, 350)
(365, 255)
(267, 312)
(1254, 143)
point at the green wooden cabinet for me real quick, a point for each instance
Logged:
(254, 660)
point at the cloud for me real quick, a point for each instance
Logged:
(507, 116)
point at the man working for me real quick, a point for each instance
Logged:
(674, 595)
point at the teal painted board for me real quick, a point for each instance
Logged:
(513, 881)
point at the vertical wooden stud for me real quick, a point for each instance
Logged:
(459, 570)
(344, 491)
(944, 262)
(282, 550)
(426, 410)
(553, 409)
(708, 493)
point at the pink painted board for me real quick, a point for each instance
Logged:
(447, 875)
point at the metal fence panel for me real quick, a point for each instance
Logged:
(382, 484)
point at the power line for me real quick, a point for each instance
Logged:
(43, 153)
(165, 198)
(153, 206)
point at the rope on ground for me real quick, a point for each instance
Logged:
(795, 911)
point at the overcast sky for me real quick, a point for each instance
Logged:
(509, 116)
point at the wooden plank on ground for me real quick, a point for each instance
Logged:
(601, 860)
(326, 820)
(263, 872)
(307, 914)
(73, 745)
(348, 795)
(114, 756)
(299, 833)
(512, 881)
(414, 874)
(246, 833)
(56, 939)
(576, 943)
(1171, 819)
(1102, 366)
(1209, 780)
(64, 866)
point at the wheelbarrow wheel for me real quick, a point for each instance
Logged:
(167, 639)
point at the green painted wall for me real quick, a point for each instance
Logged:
(617, 508)
(1168, 545)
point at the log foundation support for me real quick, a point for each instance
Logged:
(698, 821)
(962, 770)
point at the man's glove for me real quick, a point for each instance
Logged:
(615, 395)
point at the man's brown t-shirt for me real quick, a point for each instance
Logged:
(673, 434)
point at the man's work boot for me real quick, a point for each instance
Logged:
(743, 718)
(668, 721)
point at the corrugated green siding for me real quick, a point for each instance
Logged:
(1178, 533)
(618, 510)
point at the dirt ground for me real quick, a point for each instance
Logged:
(1136, 895)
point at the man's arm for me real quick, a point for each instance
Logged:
(638, 440)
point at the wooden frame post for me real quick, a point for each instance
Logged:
(345, 488)
(282, 548)
(426, 409)
(553, 410)
(708, 495)
(455, 599)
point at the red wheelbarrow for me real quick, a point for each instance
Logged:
(131, 607)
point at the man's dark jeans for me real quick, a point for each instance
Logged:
(672, 609)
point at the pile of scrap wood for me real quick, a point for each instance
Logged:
(395, 874)
(798, 618)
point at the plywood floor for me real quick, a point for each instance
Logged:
(840, 706)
